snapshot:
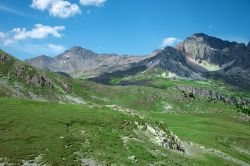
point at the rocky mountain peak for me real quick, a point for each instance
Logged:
(77, 50)
(43, 57)
(195, 35)
(248, 46)
(211, 41)
(203, 48)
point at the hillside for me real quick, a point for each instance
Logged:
(158, 111)
(19, 79)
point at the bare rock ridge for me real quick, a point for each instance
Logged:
(171, 60)
(79, 62)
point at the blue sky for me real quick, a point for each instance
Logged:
(33, 27)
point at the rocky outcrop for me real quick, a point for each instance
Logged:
(190, 91)
(32, 77)
(162, 137)
(4, 57)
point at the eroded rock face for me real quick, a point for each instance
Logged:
(4, 57)
(202, 47)
(32, 78)
(170, 60)
(213, 95)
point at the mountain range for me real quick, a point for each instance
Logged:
(172, 107)
(199, 56)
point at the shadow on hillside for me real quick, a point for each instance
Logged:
(234, 80)
(106, 78)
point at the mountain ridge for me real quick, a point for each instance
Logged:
(79, 61)
(199, 56)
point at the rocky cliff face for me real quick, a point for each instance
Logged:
(190, 91)
(202, 47)
(218, 59)
(78, 62)
(172, 60)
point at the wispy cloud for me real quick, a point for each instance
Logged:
(13, 11)
(38, 49)
(92, 2)
(56, 48)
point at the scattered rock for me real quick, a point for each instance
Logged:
(126, 111)
(161, 137)
(37, 161)
(133, 159)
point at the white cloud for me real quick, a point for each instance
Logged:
(38, 32)
(92, 2)
(63, 9)
(41, 4)
(56, 48)
(57, 8)
(170, 41)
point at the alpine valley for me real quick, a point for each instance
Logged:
(182, 105)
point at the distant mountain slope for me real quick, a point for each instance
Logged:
(209, 51)
(172, 61)
(169, 60)
(79, 62)
(218, 59)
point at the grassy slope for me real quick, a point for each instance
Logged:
(59, 132)
(28, 129)
(214, 125)
(212, 130)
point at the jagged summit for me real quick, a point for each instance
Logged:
(213, 42)
(207, 49)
